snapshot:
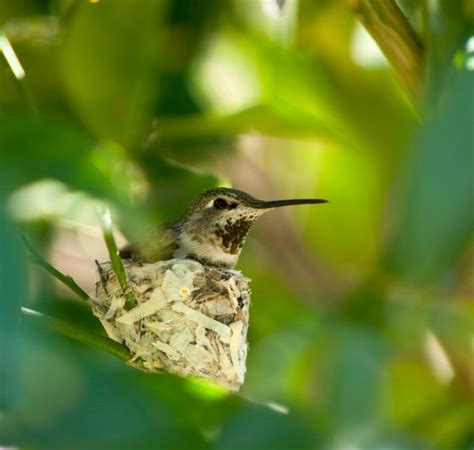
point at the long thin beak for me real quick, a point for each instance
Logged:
(297, 201)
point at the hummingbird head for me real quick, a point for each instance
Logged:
(214, 227)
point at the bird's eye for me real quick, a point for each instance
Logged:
(220, 203)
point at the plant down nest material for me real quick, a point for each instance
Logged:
(190, 319)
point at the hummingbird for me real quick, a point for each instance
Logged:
(211, 231)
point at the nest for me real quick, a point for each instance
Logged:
(189, 320)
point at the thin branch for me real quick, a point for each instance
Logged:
(117, 266)
(403, 48)
(17, 70)
(68, 329)
(67, 280)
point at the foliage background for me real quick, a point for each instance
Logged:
(362, 314)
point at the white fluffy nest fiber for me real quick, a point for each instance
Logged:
(190, 320)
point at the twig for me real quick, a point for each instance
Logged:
(17, 70)
(68, 329)
(117, 266)
(67, 280)
(386, 23)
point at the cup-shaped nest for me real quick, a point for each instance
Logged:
(190, 319)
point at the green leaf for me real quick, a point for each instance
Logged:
(55, 148)
(437, 203)
(110, 67)
(13, 294)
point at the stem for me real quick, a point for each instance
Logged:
(67, 280)
(117, 266)
(17, 70)
(72, 331)
(387, 24)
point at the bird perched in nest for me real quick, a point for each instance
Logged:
(212, 230)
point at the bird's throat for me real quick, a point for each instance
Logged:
(219, 245)
(231, 235)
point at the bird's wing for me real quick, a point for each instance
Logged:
(159, 245)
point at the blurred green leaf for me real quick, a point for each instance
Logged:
(259, 429)
(250, 83)
(448, 25)
(437, 196)
(54, 148)
(109, 61)
(354, 388)
(13, 294)
(89, 405)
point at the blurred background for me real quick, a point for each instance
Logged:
(361, 333)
